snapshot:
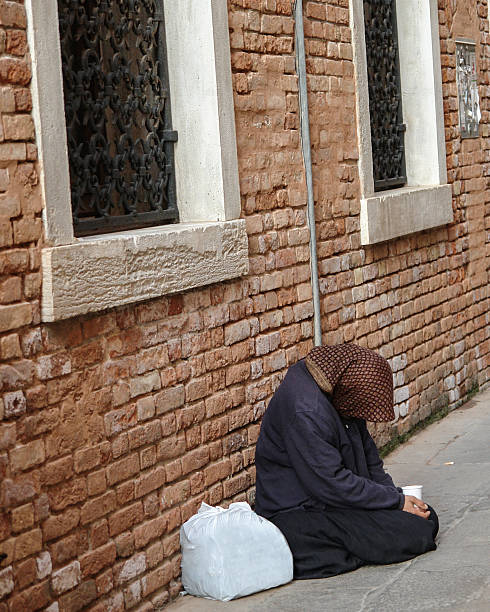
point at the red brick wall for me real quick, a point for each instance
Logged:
(115, 427)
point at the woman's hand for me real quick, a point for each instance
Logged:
(415, 506)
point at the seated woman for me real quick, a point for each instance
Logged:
(320, 479)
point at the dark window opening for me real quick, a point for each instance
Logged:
(117, 110)
(385, 100)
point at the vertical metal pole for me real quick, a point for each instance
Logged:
(306, 147)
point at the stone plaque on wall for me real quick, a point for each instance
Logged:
(469, 100)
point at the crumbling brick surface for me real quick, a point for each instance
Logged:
(114, 427)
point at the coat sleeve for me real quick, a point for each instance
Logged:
(375, 463)
(309, 441)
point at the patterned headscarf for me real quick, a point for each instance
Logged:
(359, 380)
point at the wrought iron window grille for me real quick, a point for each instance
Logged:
(117, 111)
(385, 100)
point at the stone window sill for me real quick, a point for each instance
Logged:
(396, 213)
(110, 270)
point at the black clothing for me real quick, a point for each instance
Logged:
(321, 481)
(336, 541)
(308, 456)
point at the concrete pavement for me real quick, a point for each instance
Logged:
(451, 459)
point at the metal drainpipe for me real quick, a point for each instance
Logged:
(306, 147)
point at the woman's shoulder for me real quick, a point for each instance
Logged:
(303, 394)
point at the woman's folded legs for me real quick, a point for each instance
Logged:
(335, 541)
(318, 550)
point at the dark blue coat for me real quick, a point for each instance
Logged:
(309, 456)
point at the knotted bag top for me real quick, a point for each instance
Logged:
(359, 381)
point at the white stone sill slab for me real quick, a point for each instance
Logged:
(401, 212)
(101, 272)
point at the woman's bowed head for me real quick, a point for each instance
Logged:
(319, 475)
(361, 385)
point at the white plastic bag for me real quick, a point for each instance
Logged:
(232, 553)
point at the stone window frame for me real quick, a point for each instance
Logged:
(90, 274)
(426, 201)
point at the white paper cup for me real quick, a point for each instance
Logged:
(415, 490)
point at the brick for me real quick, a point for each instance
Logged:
(43, 565)
(27, 230)
(145, 408)
(12, 14)
(11, 291)
(18, 127)
(68, 493)
(57, 471)
(236, 485)
(12, 151)
(32, 285)
(35, 598)
(32, 343)
(10, 347)
(16, 42)
(118, 420)
(68, 548)
(132, 595)
(98, 507)
(154, 554)
(96, 483)
(6, 238)
(105, 584)
(13, 261)
(15, 493)
(176, 493)
(123, 469)
(148, 457)
(237, 373)
(195, 460)
(28, 543)
(31, 150)
(89, 458)
(7, 101)
(171, 544)
(79, 598)
(27, 456)
(151, 530)
(125, 492)
(66, 578)
(125, 545)
(216, 472)
(25, 573)
(51, 366)
(197, 389)
(125, 518)
(7, 436)
(88, 354)
(23, 518)
(150, 481)
(145, 434)
(144, 384)
(14, 316)
(6, 582)
(23, 101)
(99, 533)
(95, 561)
(156, 579)
(171, 447)
(61, 524)
(237, 332)
(126, 571)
